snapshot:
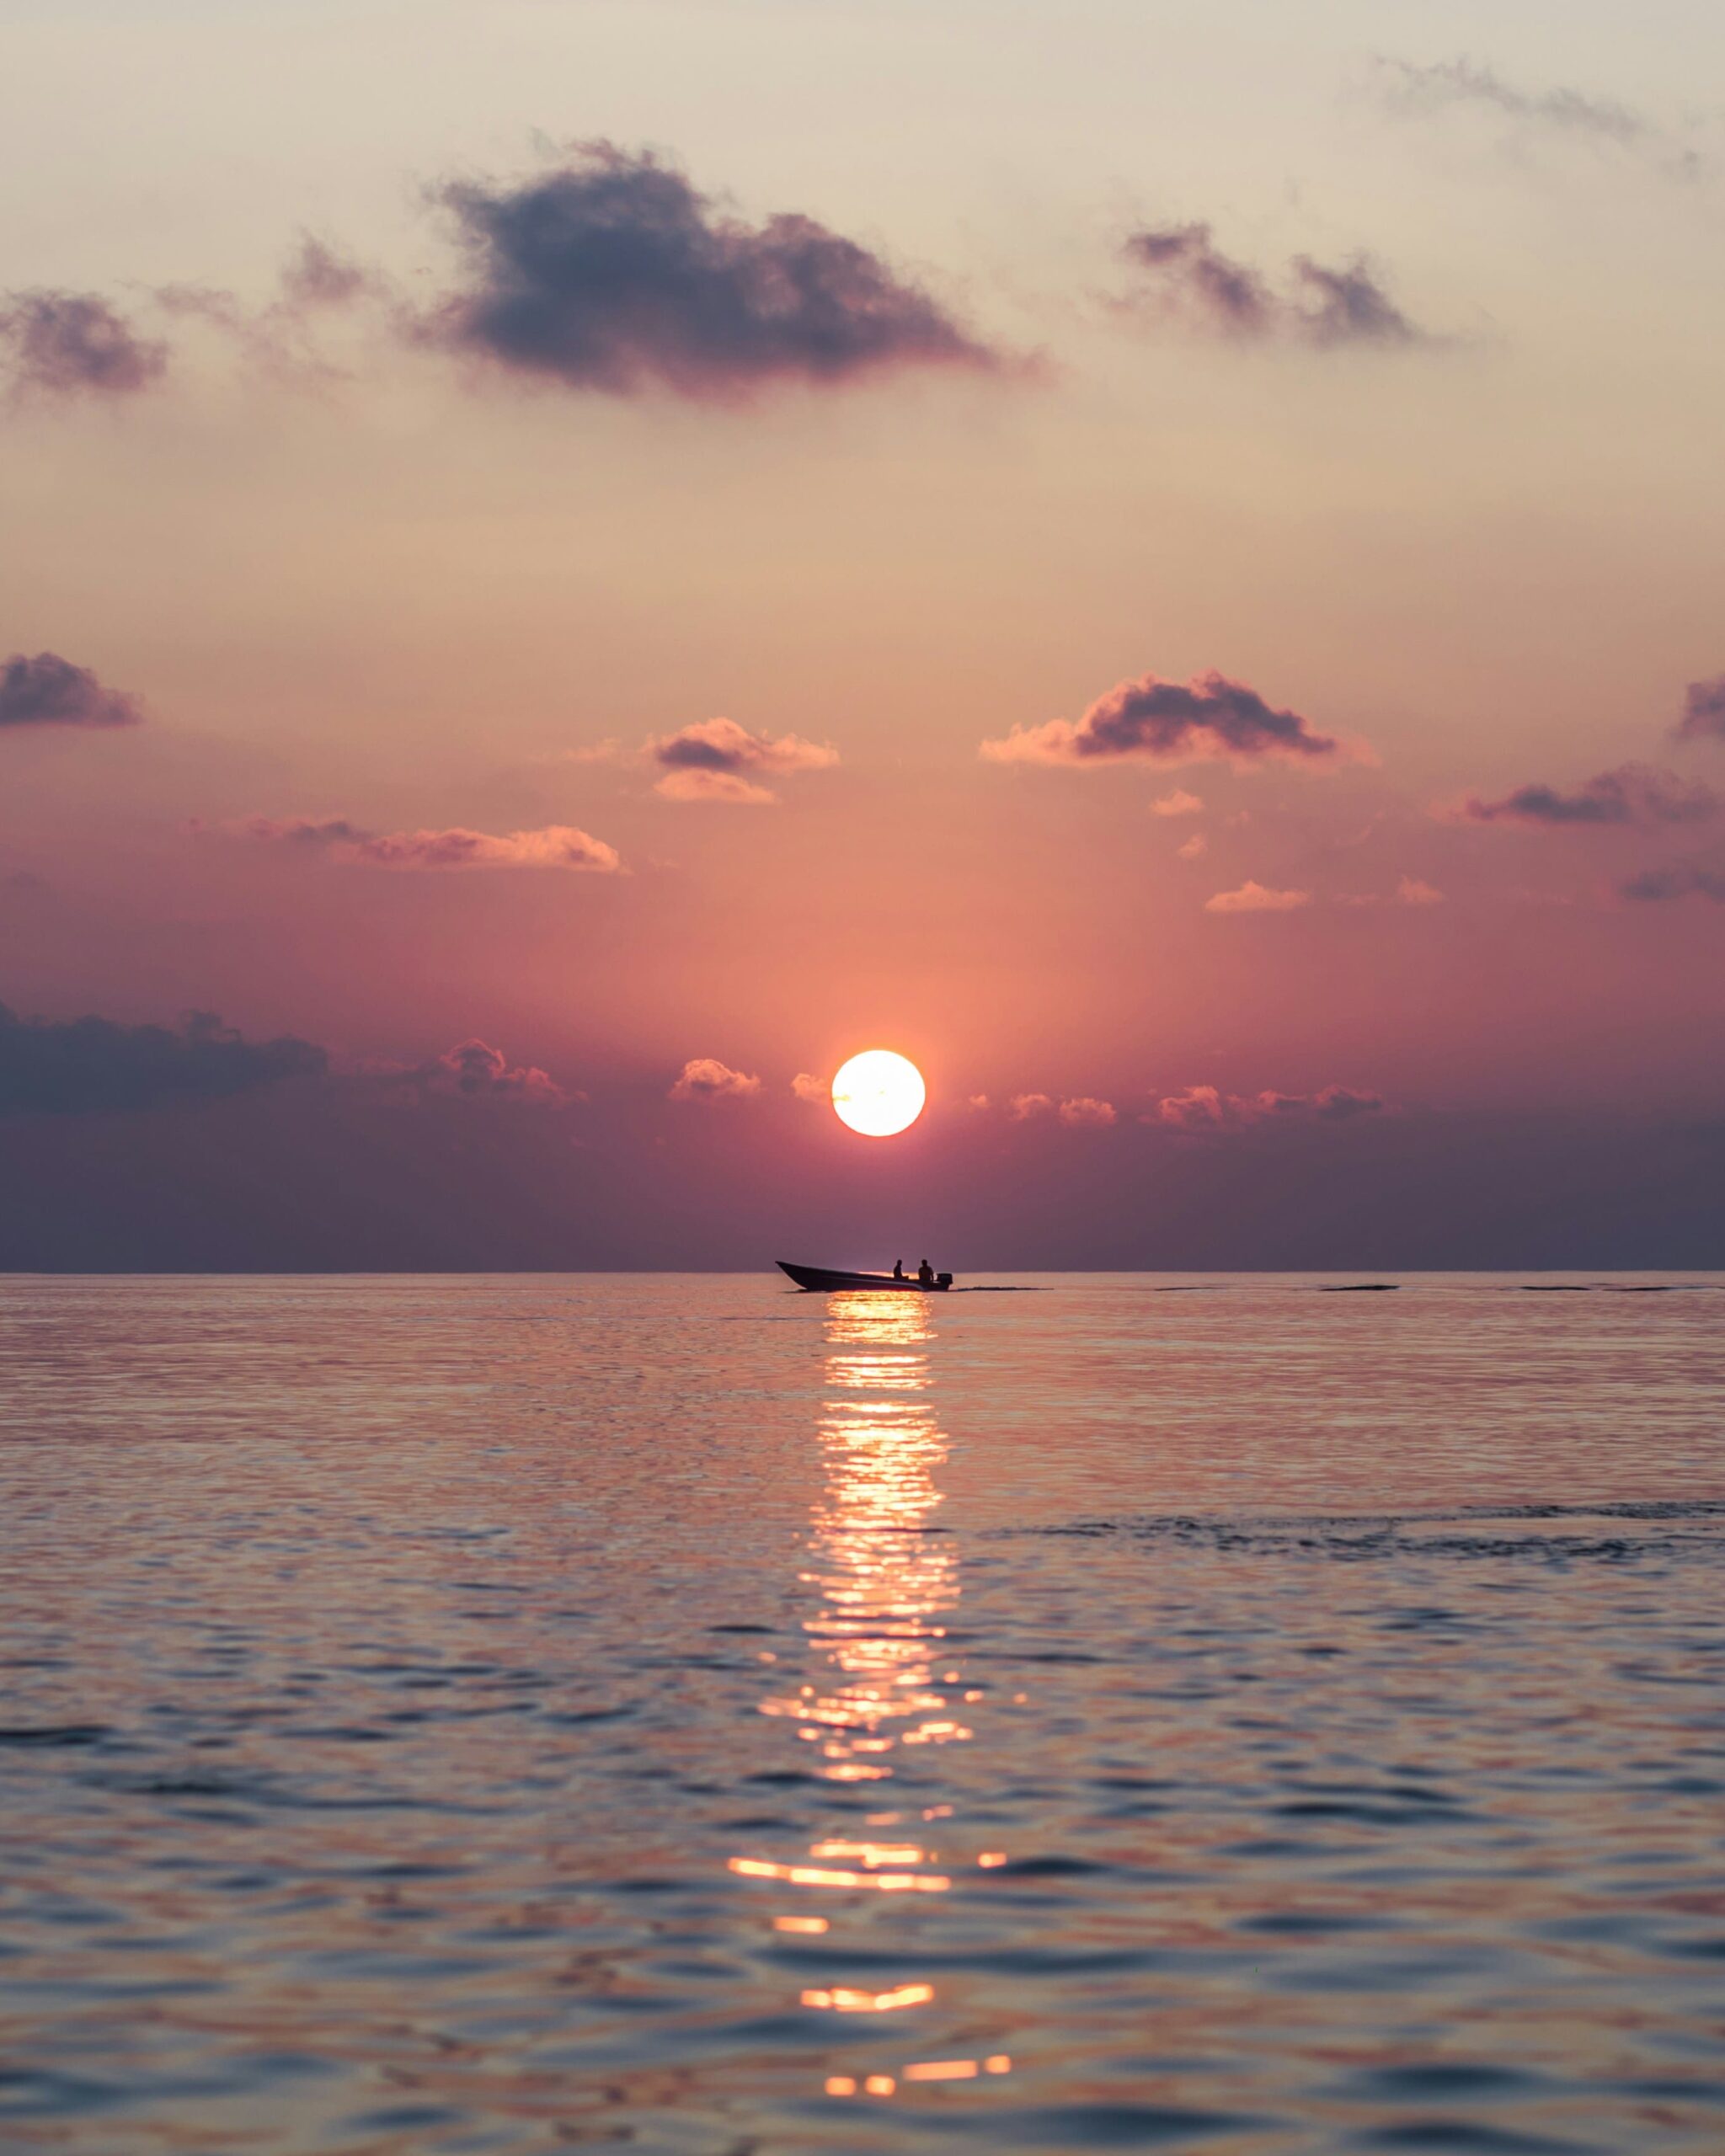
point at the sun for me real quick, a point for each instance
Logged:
(879, 1093)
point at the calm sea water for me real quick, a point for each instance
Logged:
(502, 1714)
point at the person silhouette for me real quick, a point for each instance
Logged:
(898, 1268)
(925, 1273)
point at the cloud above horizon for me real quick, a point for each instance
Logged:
(73, 344)
(49, 690)
(1682, 880)
(1634, 794)
(1188, 278)
(612, 273)
(1413, 86)
(475, 1070)
(717, 759)
(1207, 719)
(1703, 712)
(1254, 898)
(97, 1066)
(705, 1079)
(1207, 1108)
(556, 845)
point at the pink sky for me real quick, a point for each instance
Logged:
(1137, 557)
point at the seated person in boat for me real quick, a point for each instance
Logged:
(898, 1268)
(925, 1273)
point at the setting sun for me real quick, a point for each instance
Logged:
(879, 1093)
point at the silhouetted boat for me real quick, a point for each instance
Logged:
(819, 1280)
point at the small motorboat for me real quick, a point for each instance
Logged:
(821, 1280)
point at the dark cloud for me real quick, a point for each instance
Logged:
(49, 690)
(1189, 276)
(1410, 87)
(1171, 723)
(1684, 881)
(612, 273)
(72, 343)
(1703, 711)
(1634, 794)
(94, 1066)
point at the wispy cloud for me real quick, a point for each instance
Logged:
(1409, 891)
(1185, 277)
(1206, 719)
(1203, 1108)
(1179, 802)
(1414, 87)
(1683, 880)
(613, 273)
(556, 845)
(74, 345)
(1703, 711)
(808, 1087)
(49, 690)
(1634, 794)
(1255, 898)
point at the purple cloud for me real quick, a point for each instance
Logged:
(613, 273)
(1170, 722)
(1187, 275)
(49, 690)
(1633, 794)
(558, 846)
(94, 1066)
(1703, 712)
(717, 759)
(1683, 881)
(72, 344)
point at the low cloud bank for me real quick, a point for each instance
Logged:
(558, 846)
(94, 1066)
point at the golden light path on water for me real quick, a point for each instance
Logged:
(882, 1681)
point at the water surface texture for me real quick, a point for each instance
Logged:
(502, 1714)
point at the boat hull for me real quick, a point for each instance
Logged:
(821, 1280)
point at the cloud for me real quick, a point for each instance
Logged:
(1409, 891)
(49, 690)
(612, 273)
(318, 276)
(704, 1078)
(75, 344)
(95, 1066)
(1194, 849)
(808, 1087)
(1087, 1114)
(1206, 719)
(1254, 898)
(1633, 794)
(1190, 279)
(1024, 1106)
(1410, 87)
(977, 1102)
(558, 846)
(717, 759)
(475, 1070)
(1179, 802)
(1703, 712)
(1207, 1108)
(1685, 880)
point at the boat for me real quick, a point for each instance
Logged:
(822, 1280)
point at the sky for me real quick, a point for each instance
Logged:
(565, 566)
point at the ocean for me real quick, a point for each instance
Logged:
(1151, 1712)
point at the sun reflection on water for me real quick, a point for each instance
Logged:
(880, 1676)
